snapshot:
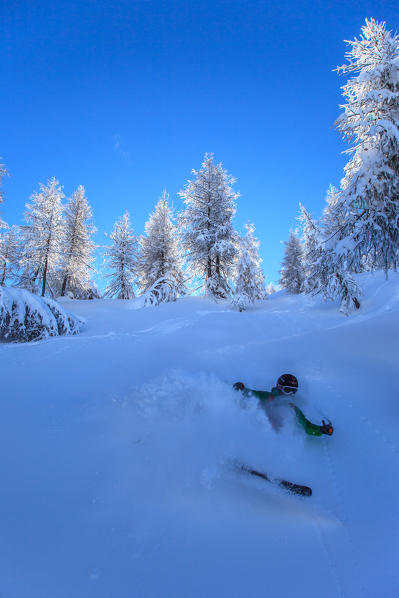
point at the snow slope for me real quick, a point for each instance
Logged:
(116, 446)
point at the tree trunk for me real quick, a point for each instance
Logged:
(218, 266)
(44, 277)
(64, 284)
(3, 276)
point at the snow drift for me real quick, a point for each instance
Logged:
(25, 317)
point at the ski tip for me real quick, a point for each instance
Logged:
(296, 488)
(306, 491)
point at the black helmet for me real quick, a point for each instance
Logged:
(288, 384)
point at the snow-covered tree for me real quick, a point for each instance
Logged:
(3, 225)
(121, 258)
(370, 187)
(160, 263)
(270, 289)
(9, 254)
(207, 232)
(3, 172)
(334, 214)
(250, 281)
(292, 273)
(326, 272)
(77, 245)
(312, 246)
(24, 317)
(43, 235)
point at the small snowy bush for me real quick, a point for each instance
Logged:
(25, 317)
(165, 289)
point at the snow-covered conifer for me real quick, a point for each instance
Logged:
(25, 317)
(9, 254)
(326, 272)
(311, 238)
(77, 245)
(292, 273)
(42, 249)
(334, 215)
(370, 187)
(121, 258)
(270, 289)
(207, 232)
(160, 262)
(3, 172)
(250, 281)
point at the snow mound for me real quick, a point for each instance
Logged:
(25, 317)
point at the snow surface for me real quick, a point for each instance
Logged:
(116, 446)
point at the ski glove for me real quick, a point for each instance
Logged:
(238, 386)
(326, 428)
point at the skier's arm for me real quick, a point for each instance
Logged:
(262, 395)
(311, 429)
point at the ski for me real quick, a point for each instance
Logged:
(290, 486)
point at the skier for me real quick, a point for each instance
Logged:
(287, 385)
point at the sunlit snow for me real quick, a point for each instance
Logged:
(117, 447)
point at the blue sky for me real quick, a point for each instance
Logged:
(126, 97)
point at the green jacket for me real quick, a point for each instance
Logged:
(265, 395)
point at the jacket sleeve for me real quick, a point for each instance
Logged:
(259, 394)
(311, 429)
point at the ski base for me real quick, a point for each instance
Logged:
(290, 486)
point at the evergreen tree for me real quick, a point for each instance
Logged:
(77, 245)
(160, 264)
(121, 259)
(312, 246)
(250, 281)
(370, 187)
(208, 236)
(270, 289)
(3, 172)
(9, 254)
(326, 271)
(43, 236)
(333, 219)
(292, 273)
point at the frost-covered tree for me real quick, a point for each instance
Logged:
(160, 264)
(333, 280)
(292, 273)
(326, 272)
(78, 247)
(25, 317)
(3, 172)
(207, 232)
(312, 246)
(43, 235)
(270, 289)
(250, 281)
(370, 187)
(121, 258)
(9, 254)
(3, 225)
(334, 215)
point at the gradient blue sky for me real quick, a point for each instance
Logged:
(126, 97)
